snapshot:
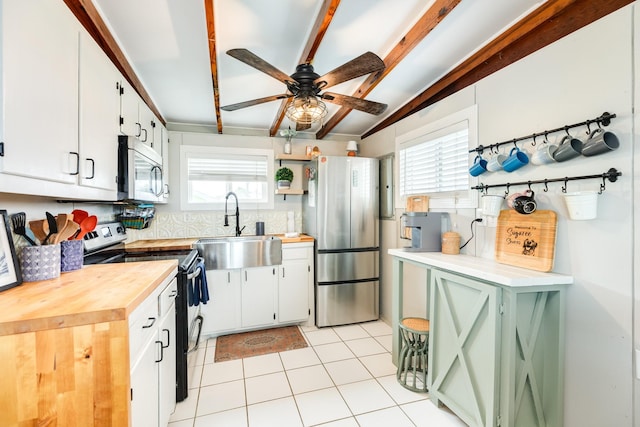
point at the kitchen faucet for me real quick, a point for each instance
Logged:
(226, 216)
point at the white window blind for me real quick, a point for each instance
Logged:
(435, 165)
(208, 174)
(434, 160)
(230, 168)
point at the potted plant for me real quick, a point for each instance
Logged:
(284, 176)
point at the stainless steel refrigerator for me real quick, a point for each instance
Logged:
(340, 210)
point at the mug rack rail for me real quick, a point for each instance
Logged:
(603, 120)
(612, 175)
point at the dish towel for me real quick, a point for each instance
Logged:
(198, 289)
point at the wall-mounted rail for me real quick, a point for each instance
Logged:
(603, 120)
(611, 175)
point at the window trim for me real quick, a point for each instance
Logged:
(470, 198)
(186, 150)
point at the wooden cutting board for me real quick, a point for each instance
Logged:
(526, 241)
(415, 203)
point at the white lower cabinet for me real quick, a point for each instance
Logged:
(261, 297)
(152, 344)
(258, 295)
(144, 388)
(295, 283)
(167, 365)
(222, 312)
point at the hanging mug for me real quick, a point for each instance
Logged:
(569, 148)
(516, 160)
(600, 141)
(523, 203)
(479, 166)
(495, 163)
(544, 154)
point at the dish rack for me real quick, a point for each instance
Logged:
(137, 217)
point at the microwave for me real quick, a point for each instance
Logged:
(139, 171)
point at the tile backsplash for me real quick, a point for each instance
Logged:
(188, 224)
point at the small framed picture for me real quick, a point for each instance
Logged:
(9, 270)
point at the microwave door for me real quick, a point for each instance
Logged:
(145, 177)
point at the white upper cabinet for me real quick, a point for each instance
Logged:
(129, 102)
(40, 90)
(99, 116)
(137, 119)
(61, 105)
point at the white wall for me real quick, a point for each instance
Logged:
(577, 78)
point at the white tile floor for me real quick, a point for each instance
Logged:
(344, 378)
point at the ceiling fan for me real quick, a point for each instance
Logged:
(305, 85)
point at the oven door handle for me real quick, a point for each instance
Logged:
(194, 274)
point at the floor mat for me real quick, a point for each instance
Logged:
(256, 343)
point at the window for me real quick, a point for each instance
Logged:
(434, 160)
(208, 174)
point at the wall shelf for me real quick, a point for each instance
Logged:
(292, 157)
(290, 191)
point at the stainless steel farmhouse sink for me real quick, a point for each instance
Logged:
(223, 253)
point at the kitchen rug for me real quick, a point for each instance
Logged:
(256, 343)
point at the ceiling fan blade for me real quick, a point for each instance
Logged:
(244, 104)
(370, 107)
(364, 64)
(259, 64)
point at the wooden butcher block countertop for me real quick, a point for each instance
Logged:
(93, 294)
(180, 244)
(160, 245)
(301, 238)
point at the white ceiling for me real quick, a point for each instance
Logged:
(166, 43)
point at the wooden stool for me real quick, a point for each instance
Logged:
(412, 360)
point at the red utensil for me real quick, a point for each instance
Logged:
(79, 215)
(89, 224)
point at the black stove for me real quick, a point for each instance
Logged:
(105, 245)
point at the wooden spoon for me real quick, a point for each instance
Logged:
(68, 230)
(61, 223)
(40, 229)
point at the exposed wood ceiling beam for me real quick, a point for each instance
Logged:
(87, 14)
(545, 25)
(213, 59)
(324, 18)
(427, 22)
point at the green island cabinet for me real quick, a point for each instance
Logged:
(496, 341)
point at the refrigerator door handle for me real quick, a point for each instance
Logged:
(339, 251)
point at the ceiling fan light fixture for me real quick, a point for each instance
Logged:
(306, 110)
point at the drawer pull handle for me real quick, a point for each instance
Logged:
(153, 320)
